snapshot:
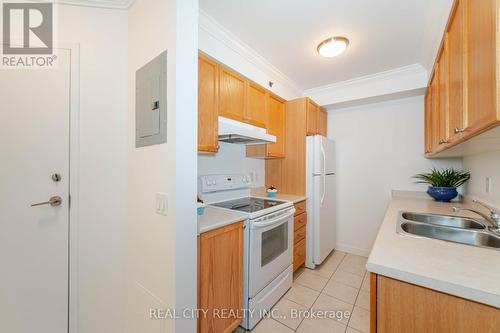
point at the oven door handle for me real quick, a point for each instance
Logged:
(280, 219)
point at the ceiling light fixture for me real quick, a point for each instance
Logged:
(333, 46)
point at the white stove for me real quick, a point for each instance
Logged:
(268, 252)
(232, 191)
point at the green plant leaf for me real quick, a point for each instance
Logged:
(443, 178)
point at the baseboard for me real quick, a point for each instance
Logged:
(353, 250)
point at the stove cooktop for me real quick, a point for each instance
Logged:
(248, 205)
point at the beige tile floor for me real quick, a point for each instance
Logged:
(341, 283)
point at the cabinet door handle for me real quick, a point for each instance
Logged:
(459, 130)
(443, 141)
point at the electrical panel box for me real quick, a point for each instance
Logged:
(151, 102)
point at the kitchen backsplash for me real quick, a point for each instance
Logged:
(231, 158)
(485, 177)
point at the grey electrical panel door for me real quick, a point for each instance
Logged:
(151, 102)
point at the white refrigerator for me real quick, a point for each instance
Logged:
(321, 193)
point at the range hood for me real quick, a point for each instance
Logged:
(233, 131)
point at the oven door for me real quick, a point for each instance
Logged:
(271, 248)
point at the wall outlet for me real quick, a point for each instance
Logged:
(161, 204)
(488, 184)
(253, 177)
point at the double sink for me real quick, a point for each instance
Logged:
(449, 228)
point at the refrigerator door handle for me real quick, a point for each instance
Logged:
(324, 177)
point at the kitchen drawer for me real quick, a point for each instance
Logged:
(299, 235)
(300, 207)
(299, 254)
(299, 221)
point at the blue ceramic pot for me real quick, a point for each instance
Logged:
(271, 194)
(442, 194)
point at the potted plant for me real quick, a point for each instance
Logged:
(443, 183)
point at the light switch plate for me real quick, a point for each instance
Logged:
(161, 204)
(488, 184)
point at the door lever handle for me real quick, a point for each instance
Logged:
(54, 201)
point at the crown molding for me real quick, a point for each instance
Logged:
(109, 4)
(391, 82)
(209, 25)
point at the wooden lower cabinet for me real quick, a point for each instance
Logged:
(299, 254)
(299, 238)
(300, 221)
(397, 306)
(220, 277)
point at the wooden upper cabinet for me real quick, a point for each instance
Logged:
(428, 120)
(220, 277)
(208, 95)
(232, 89)
(322, 122)
(466, 91)
(276, 126)
(256, 105)
(456, 75)
(241, 99)
(482, 71)
(435, 118)
(311, 117)
(443, 92)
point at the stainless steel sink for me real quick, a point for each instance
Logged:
(443, 220)
(447, 228)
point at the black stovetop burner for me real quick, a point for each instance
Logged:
(248, 205)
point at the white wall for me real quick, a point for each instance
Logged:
(379, 148)
(102, 236)
(482, 166)
(186, 222)
(156, 279)
(231, 158)
(219, 43)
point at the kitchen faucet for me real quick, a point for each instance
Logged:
(494, 217)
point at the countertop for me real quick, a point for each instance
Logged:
(465, 271)
(261, 192)
(214, 218)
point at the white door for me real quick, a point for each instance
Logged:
(329, 149)
(34, 242)
(324, 223)
(319, 156)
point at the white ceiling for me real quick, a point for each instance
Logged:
(116, 4)
(384, 34)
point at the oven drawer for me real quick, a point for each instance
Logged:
(299, 254)
(270, 250)
(299, 221)
(299, 235)
(300, 207)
